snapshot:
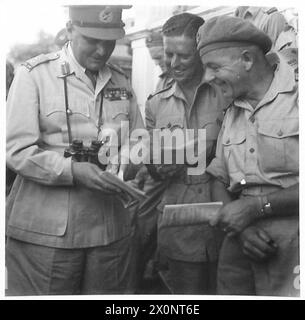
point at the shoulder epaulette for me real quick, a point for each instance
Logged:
(158, 92)
(271, 10)
(117, 69)
(42, 58)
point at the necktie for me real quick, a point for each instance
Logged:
(92, 76)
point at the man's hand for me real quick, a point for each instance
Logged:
(168, 170)
(257, 244)
(237, 215)
(90, 176)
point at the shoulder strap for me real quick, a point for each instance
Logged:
(158, 92)
(42, 58)
(271, 10)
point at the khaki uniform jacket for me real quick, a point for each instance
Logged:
(44, 206)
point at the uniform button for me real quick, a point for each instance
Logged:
(251, 150)
(69, 112)
(252, 119)
(280, 133)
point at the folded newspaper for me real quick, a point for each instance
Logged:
(129, 195)
(188, 214)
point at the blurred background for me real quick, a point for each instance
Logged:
(39, 28)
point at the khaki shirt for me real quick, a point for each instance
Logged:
(169, 109)
(44, 206)
(260, 146)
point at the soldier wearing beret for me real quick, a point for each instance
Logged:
(68, 233)
(185, 101)
(256, 165)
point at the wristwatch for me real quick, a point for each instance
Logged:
(266, 209)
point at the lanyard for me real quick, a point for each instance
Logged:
(100, 117)
(66, 72)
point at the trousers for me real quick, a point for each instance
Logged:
(39, 270)
(278, 276)
(192, 277)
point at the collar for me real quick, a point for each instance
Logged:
(104, 75)
(71, 54)
(254, 11)
(284, 78)
(175, 89)
(283, 81)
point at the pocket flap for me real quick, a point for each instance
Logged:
(116, 109)
(235, 137)
(77, 106)
(171, 123)
(280, 128)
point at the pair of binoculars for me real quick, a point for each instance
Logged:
(80, 153)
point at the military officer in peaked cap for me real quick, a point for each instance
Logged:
(256, 165)
(67, 231)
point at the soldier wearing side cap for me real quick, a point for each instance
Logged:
(68, 233)
(185, 101)
(256, 165)
(154, 43)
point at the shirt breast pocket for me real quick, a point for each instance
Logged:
(170, 135)
(115, 111)
(56, 110)
(212, 124)
(115, 121)
(171, 123)
(234, 150)
(278, 143)
(54, 118)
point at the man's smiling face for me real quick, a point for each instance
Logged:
(224, 68)
(181, 57)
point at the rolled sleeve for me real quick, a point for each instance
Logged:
(25, 152)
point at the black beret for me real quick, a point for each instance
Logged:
(226, 31)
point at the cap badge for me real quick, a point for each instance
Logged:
(106, 15)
